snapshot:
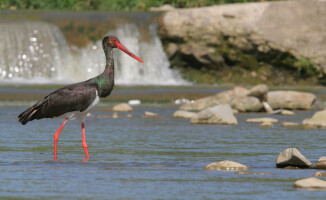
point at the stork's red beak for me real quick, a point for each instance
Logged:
(124, 49)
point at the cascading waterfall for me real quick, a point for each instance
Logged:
(33, 50)
(37, 52)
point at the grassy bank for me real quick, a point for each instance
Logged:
(109, 5)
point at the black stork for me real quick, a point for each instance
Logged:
(76, 100)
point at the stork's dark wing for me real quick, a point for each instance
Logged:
(76, 97)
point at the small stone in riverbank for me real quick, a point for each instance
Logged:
(318, 119)
(266, 124)
(287, 112)
(322, 173)
(226, 165)
(322, 159)
(183, 114)
(262, 120)
(122, 107)
(292, 157)
(150, 114)
(290, 124)
(310, 183)
(115, 115)
(252, 173)
(321, 163)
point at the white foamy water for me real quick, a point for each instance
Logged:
(37, 52)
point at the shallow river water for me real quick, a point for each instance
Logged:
(151, 158)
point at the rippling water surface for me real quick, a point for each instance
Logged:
(151, 158)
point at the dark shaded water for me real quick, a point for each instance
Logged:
(151, 158)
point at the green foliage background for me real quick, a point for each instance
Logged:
(109, 5)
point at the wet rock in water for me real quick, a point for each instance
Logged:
(266, 124)
(259, 91)
(183, 114)
(311, 182)
(322, 159)
(287, 112)
(202, 103)
(292, 157)
(317, 120)
(262, 120)
(290, 100)
(321, 163)
(290, 124)
(213, 100)
(148, 114)
(322, 173)
(226, 165)
(129, 115)
(252, 173)
(122, 107)
(220, 114)
(246, 104)
(115, 115)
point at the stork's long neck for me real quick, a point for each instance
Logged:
(105, 81)
(109, 66)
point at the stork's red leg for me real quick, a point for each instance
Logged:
(84, 142)
(56, 137)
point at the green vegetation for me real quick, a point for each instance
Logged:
(109, 5)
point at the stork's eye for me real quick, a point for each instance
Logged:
(114, 40)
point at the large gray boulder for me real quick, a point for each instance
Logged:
(286, 30)
(246, 104)
(220, 114)
(293, 158)
(318, 119)
(259, 91)
(290, 100)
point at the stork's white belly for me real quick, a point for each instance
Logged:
(81, 116)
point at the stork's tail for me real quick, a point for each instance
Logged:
(29, 114)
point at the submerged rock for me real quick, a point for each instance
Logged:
(252, 173)
(322, 159)
(321, 163)
(292, 157)
(183, 114)
(122, 107)
(290, 100)
(262, 120)
(220, 114)
(310, 183)
(266, 124)
(226, 165)
(148, 114)
(287, 112)
(290, 124)
(318, 119)
(322, 173)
